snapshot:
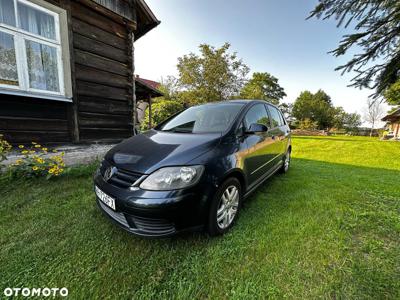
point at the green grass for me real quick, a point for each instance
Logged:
(329, 228)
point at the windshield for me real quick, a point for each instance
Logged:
(206, 118)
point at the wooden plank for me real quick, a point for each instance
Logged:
(71, 109)
(101, 63)
(96, 120)
(86, 44)
(16, 106)
(101, 105)
(22, 123)
(90, 74)
(43, 137)
(98, 34)
(90, 16)
(96, 134)
(97, 90)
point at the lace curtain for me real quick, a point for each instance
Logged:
(8, 64)
(7, 14)
(42, 66)
(36, 21)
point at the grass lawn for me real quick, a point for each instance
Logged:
(329, 228)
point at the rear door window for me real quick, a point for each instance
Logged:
(276, 118)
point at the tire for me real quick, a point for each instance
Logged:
(220, 218)
(287, 158)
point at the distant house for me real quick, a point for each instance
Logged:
(67, 69)
(393, 120)
(145, 90)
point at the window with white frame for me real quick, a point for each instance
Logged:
(30, 49)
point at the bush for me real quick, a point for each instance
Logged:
(36, 162)
(160, 111)
(5, 148)
(307, 124)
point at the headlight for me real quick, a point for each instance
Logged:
(172, 178)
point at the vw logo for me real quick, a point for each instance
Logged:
(109, 172)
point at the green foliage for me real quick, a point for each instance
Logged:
(36, 162)
(213, 75)
(169, 87)
(376, 36)
(316, 107)
(263, 86)
(307, 124)
(161, 110)
(392, 94)
(5, 148)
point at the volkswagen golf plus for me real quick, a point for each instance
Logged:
(193, 170)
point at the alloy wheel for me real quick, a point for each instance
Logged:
(287, 161)
(228, 207)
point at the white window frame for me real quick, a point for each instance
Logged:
(60, 44)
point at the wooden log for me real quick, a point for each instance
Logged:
(90, 16)
(101, 63)
(98, 34)
(97, 90)
(101, 105)
(89, 45)
(90, 74)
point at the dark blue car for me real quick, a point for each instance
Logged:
(193, 170)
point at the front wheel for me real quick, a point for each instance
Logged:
(225, 207)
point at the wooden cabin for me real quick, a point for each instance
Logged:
(67, 69)
(393, 120)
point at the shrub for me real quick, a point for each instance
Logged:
(160, 111)
(5, 148)
(307, 124)
(36, 162)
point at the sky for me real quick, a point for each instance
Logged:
(269, 35)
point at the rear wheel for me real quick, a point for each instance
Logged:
(225, 207)
(286, 161)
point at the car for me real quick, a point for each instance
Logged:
(193, 170)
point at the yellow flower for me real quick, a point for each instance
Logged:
(24, 151)
(54, 151)
(31, 151)
(44, 149)
(33, 143)
(40, 160)
(38, 146)
(35, 168)
(18, 161)
(21, 146)
(51, 171)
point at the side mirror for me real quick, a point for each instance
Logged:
(257, 127)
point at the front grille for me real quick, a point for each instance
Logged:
(119, 217)
(121, 178)
(152, 226)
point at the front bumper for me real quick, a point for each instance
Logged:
(156, 213)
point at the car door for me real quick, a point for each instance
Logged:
(277, 132)
(260, 145)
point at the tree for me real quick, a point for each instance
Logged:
(213, 75)
(263, 86)
(169, 87)
(161, 110)
(377, 34)
(316, 107)
(373, 113)
(392, 94)
(287, 109)
(352, 121)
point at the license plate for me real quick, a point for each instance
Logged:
(107, 200)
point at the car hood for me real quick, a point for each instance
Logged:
(147, 152)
